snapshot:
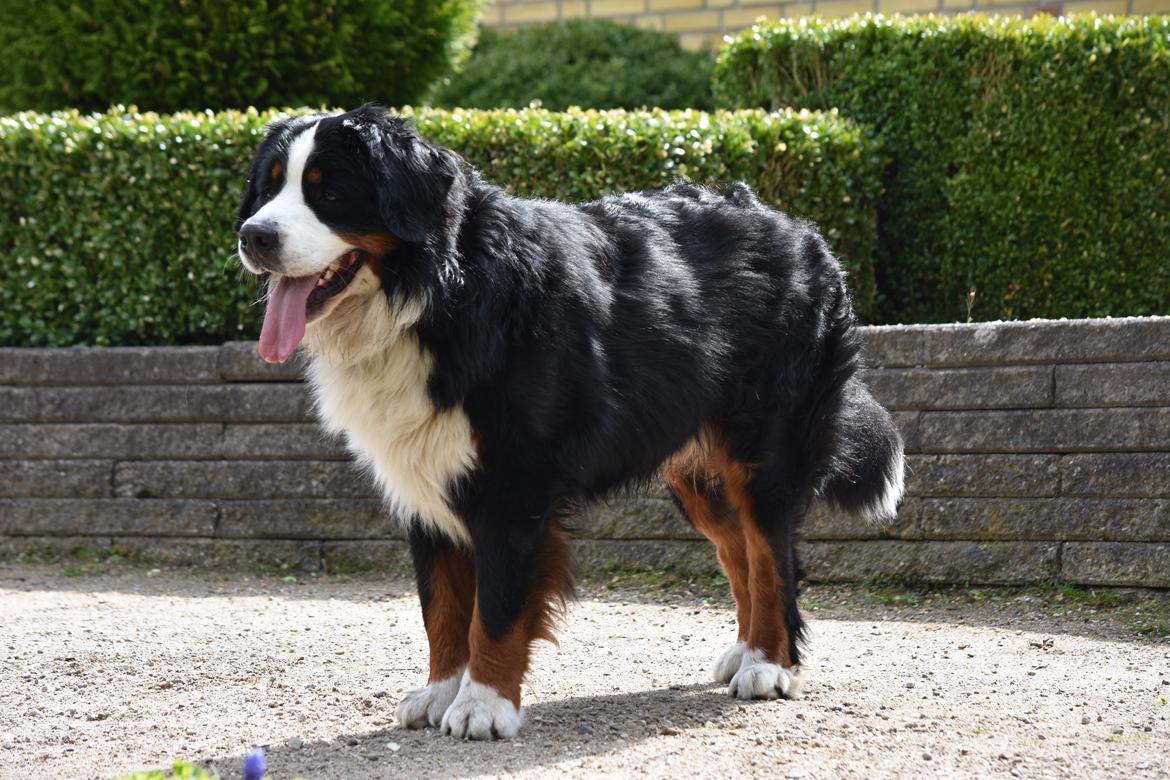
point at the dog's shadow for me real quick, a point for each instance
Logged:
(563, 731)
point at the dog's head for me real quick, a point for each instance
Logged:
(338, 209)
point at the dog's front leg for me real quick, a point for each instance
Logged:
(522, 579)
(446, 588)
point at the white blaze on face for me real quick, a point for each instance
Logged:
(307, 245)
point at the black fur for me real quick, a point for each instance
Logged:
(587, 343)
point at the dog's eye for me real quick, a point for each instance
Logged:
(268, 191)
(329, 195)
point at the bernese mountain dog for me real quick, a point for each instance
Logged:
(496, 361)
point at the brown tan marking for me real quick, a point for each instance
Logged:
(315, 176)
(448, 614)
(276, 170)
(502, 665)
(768, 631)
(376, 244)
(693, 478)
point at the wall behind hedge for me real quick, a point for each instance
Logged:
(1030, 156)
(116, 228)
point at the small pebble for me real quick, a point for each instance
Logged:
(380, 695)
(1084, 720)
(926, 756)
(296, 743)
(1118, 730)
(584, 729)
(910, 685)
(394, 747)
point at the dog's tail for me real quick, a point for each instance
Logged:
(856, 445)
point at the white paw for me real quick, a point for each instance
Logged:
(760, 679)
(729, 663)
(424, 707)
(478, 712)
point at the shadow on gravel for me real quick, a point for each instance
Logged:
(1103, 613)
(562, 731)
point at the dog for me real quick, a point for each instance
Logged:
(495, 362)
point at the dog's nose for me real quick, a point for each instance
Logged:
(262, 243)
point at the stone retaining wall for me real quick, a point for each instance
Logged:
(1038, 451)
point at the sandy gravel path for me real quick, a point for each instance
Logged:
(106, 674)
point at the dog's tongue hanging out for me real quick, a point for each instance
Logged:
(284, 320)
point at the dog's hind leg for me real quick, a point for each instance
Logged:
(522, 581)
(698, 491)
(446, 587)
(769, 511)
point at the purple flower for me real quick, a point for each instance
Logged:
(254, 765)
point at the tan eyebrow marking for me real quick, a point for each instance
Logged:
(276, 170)
(315, 176)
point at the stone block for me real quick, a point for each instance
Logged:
(1113, 384)
(907, 423)
(270, 555)
(147, 403)
(241, 479)
(240, 361)
(691, 557)
(366, 555)
(985, 563)
(108, 366)
(45, 440)
(1049, 341)
(689, 22)
(983, 475)
(634, 518)
(288, 441)
(824, 522)
(1038, 519)
(1119, 475)
(657, 5)
(1014, 387)
(98, 517)
(741, 18)
(838, 8)
(307, 519)
(531, 12)
(56, 478)
(1123, 564)
(1054, 430)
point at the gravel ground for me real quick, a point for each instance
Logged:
(114, 672)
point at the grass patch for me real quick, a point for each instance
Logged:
(180, 770)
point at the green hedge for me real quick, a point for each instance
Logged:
(171, 56)
(591, 63)
(1029, 156)
(116, 228)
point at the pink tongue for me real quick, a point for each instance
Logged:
(284, 321)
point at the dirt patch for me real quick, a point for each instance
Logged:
(111, 673)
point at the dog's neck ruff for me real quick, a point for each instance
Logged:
(369, 383)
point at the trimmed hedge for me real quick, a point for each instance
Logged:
(116, 228)
(195, 54)
(1030, 157)
(590, 63)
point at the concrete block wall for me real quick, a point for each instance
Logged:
(1037, 451)
(703, 23)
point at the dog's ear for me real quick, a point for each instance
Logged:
(415, 180)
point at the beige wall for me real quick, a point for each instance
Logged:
(702, 23)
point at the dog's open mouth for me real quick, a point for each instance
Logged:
(333, 280)
(294, 301)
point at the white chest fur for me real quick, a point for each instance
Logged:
(380, 405)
